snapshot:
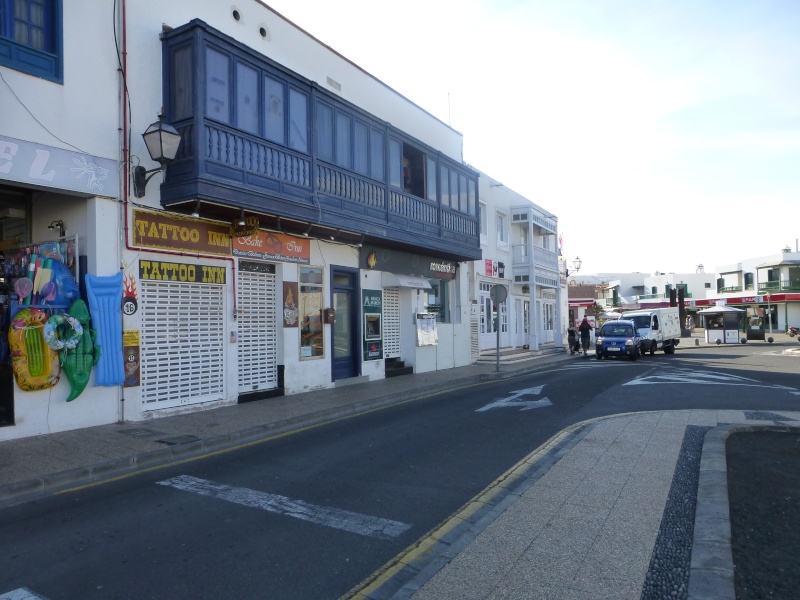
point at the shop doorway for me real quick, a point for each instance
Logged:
(344, 300)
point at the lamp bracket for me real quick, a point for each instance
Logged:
(140, 178)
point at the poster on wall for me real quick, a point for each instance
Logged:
(372, 309)
(290, 310)
(130, 352)
(427, 334)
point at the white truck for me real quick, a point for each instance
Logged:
(658, 328)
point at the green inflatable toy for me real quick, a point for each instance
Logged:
(78, 362)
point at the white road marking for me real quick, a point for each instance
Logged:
(21, 594)
(704, 378)
(513, 400)
(322, 515)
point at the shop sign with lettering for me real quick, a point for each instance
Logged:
(397, 261)
(56, 168)
(171, 232)
(250, 227)
(266, 245)
(159, 270)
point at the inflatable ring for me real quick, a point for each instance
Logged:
(35, 365)
(51, 329)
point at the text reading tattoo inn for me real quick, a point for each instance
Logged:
(156, 270)
(167, 231)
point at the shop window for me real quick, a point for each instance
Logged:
(311, 340)
(437, 299)
(30, 37)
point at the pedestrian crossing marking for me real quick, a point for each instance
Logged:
(322, 515)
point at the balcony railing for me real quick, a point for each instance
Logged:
(521, 254)
(730, 290)
(784, 285)
(661, 296)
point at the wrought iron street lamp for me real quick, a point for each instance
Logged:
(162, 141)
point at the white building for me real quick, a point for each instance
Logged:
(518, 241)
(314, 229)
(766, 287)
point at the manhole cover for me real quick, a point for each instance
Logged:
(178, 439)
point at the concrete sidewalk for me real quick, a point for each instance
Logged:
(605, 509)
(626, 507)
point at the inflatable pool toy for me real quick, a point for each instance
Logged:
(78, 362)
(105, 305)
(55, 325)
(35, 364)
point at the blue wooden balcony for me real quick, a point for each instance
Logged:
(228, 169)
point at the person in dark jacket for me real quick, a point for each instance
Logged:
(585, 328)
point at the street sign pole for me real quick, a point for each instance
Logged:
(498, 294)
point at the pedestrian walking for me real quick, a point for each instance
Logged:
(586, 331)
(572, 340)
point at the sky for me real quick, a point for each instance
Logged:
(663, 134)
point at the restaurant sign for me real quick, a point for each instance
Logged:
(171, 232)
(267, 245)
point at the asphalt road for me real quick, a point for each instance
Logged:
(313, 514)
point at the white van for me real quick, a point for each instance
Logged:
(658, 328)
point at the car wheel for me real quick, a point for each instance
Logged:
(598, 355)
(634, 354)
(653, 346)
(669, 349)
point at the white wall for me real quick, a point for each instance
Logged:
(286, 45)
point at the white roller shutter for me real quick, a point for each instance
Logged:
(391, 322)
(182, 343)
(258, 331)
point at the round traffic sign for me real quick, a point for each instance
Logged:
(498, 294)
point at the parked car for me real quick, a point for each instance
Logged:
(618, 338)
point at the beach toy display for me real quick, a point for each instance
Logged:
(78, 361)
(34, 363)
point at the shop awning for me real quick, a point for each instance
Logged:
(410, 281)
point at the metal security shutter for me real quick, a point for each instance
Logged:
(182, 344)
(258, 331)
(391, 322)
